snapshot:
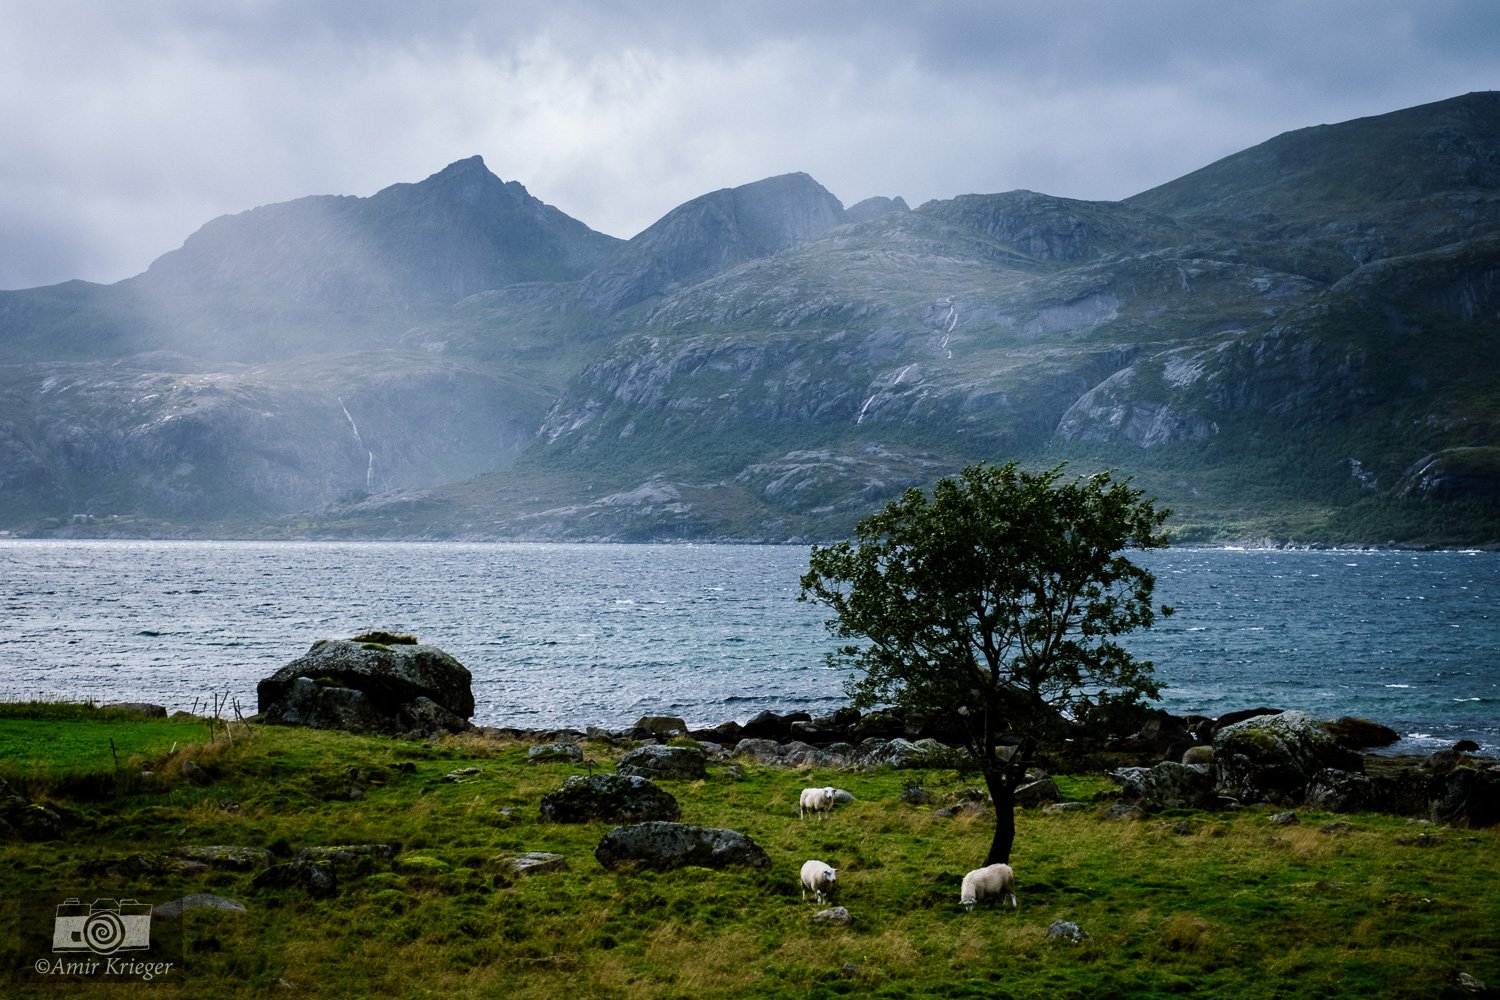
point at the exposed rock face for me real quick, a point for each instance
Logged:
(370, 687)
(614, 798)
(1273, 758)
(663, 846)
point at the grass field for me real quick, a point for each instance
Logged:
(1187, 904)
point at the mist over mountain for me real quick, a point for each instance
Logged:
(1298, 342)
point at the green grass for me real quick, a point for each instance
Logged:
(1232, 907)
(52, 742)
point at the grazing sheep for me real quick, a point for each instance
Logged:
(818, 800)
(990, 882)
(822, 880)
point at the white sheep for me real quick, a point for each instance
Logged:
(989, 882)
(817, 800)
(821, 879)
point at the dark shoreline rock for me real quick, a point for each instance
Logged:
(1451, 786)
(395, 688)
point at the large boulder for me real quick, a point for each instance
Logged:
(613, 798)
(662, 761)
(1343, 792)
(1273, 758)
(1168, 785)
(393, 687)
(1466, 796)
(663, 846)
(1361, 734)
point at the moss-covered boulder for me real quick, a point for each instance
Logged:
(613, 798)
(1273, 758)
(664, 846)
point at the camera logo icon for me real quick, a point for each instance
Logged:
(103, 927)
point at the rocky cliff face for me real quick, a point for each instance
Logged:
(1315, 317)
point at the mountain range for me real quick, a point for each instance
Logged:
(1298, 343)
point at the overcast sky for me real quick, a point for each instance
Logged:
(127, 124)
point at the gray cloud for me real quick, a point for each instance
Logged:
(131, 124)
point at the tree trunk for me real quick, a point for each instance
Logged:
(1004, 795)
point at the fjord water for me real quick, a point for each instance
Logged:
(579, 635)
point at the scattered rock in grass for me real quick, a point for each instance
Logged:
(143, 865)
(613, 798)
(1122, 811)
(664, 846)
(916, 795)
(535, 863)
(836, 916)
(1038, 793)
(1283, 819)
(351, 859)
(1471, 984)
(228, 858)
(1335, 828)
(1058, 808)
(459, 775)
(549, 752)
(192, 771)
(1066, 930)
(1423, 839)
(968, 807)
(316, 880)
(175, 908)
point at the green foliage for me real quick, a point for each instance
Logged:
(995, 605)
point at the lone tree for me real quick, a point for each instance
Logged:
(995, 607)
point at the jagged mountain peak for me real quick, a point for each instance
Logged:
(711, 234)
(347, 270)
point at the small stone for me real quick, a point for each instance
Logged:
(834, 917)
(1066, 930)
(537, 862)
(1284, 819)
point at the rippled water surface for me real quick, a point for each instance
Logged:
(601, 634)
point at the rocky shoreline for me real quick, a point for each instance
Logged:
(388, 683)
